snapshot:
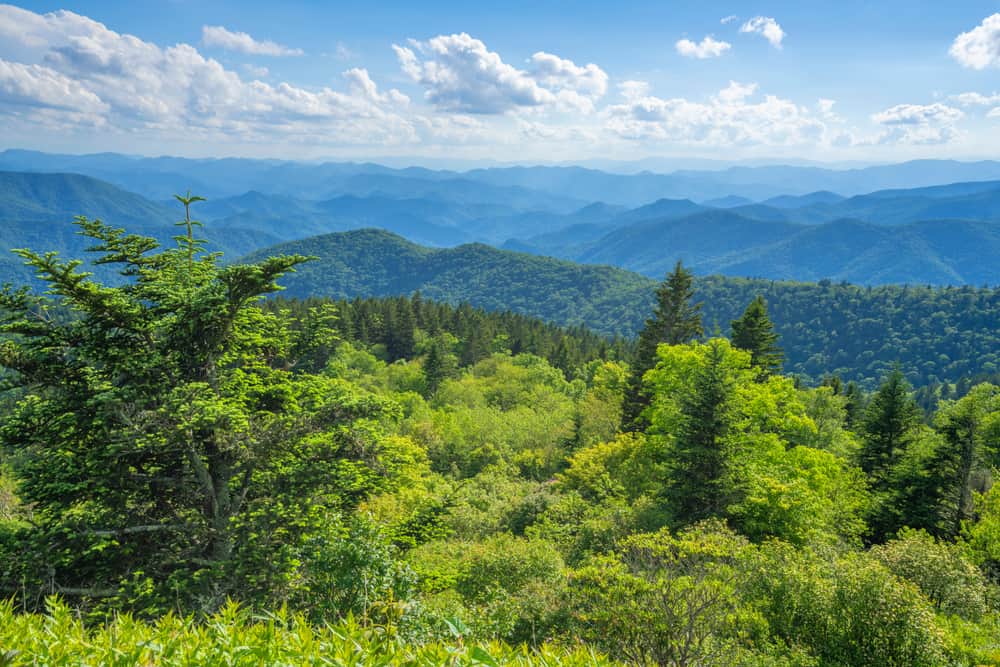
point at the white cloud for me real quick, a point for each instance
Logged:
(707, 48)
(460, 74)
(767, 27)
(561, 74)
(255, 71)
(35, 85)
(979, 48)
(633, 90)
(732, 18)
(917, 114)
(918, 124)
(736, 92)
(131, 84)
(994, 113)
(361, 85)
(728, 119)
(220, 37)
(824, 107)
(976, 99)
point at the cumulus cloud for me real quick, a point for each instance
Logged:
(726, 20)
(35, 85)
(220, 37)
(633, 90)
(979, 48)
(561, 74)
(133, 84)
(706, 48)
(255, 71)
(976, 99)
(767, 27)
(728, 118)
(918, 124)
(460, 74)
(824, 108)
(361, 85)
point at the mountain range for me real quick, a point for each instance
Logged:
(940, 235)
(560, 188)
(446, 247)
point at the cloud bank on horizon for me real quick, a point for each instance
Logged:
(70, 80)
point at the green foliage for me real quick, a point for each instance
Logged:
(729, 445)
(983, 536)
(455, 335)
(404, 482)
(846, 610)
(234, 637)
(664, 600)
(937, 335)
(675, 320)
(951, 583)
(160, 432)
(754, 332)
(503, 586)
(505, 410)
(963, 466)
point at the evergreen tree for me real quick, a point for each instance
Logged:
(561, 358)
(855, 406)
(161, 426)
(676, 320)
(887, 427)
(961, 466)
(434, 367)
(833, 382)
(699, 458)
(754, 332)
(890, 428)
(417, 306)
(477, 345)
(400, 330)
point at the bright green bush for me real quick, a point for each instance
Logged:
(234, 638)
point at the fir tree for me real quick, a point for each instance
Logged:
(162, 428)
(754, 332)
(676, 320)
(434, 368)
(854, 408)
(400, 330)
(699, 458)
(887, 427)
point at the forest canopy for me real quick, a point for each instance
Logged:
(190, 472)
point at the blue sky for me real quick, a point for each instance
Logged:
(528, 81)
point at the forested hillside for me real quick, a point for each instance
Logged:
(936, 334)
(189, 474)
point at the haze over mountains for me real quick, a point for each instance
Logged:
(927, 222)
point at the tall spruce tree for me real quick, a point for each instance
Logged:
(887, 427)
(890, 427)
(400, 329)
(676, 320)
(754, 332)
(699, 458)
(434, 368)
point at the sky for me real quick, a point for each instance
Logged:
(529, 82)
